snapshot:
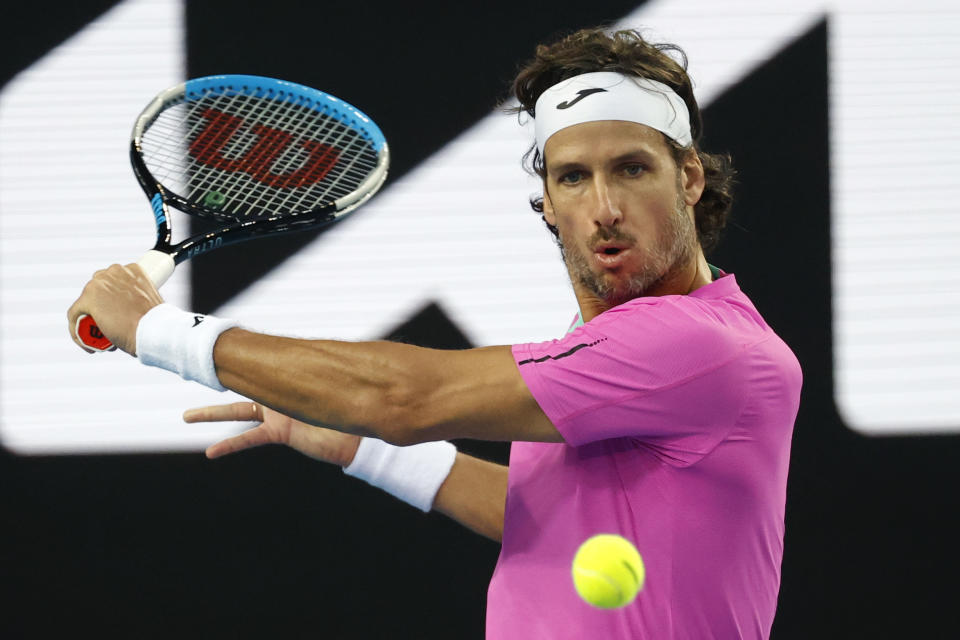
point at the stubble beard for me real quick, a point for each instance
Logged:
(674, 248)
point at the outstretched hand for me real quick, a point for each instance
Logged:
(320, 443)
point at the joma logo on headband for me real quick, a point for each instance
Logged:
(583, 93)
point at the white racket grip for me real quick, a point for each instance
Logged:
(157, 265)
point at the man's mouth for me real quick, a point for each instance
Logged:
(610, 249)
(609, 255)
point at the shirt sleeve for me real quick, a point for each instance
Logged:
(666, 371)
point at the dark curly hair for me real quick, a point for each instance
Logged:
(599, 49)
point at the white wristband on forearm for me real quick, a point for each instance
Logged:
(181, 342)
(413, 474)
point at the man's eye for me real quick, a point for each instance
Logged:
(633, 169)
(572, 177)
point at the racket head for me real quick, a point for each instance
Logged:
(267, 153)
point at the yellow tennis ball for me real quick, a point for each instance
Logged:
(608, 571)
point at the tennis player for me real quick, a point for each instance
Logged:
(664, 415)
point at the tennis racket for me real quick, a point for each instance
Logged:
(262, 156)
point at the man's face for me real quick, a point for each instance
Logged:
(622, 207)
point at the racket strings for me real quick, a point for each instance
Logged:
(236, 187)
(327, 154)
(262, 157)
(265, 140)
(282, 118)
(243, 143)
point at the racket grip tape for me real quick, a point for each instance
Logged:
(158, 266)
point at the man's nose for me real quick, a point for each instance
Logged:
(608, 211)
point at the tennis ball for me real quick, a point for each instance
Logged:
(608, 571)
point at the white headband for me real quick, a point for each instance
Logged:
(607, 95)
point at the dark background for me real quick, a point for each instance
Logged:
(271, 543)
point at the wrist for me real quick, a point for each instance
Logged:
(350, 453)
(181, 342)
(413, 474)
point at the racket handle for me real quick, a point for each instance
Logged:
(158, 266)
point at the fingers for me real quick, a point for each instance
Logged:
(136, 274)
(116, 297)
(237, 411)
(252, 438)
(73, 317)
(79, 308)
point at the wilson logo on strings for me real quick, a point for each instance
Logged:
(258, 160)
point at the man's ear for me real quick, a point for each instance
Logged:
(548, 213)
(692, 179)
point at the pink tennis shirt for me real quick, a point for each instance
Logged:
(677, 412)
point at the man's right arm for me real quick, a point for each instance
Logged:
(474, 492)
(475, 495)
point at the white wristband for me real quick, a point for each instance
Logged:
(413, 474)
(181, 342)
